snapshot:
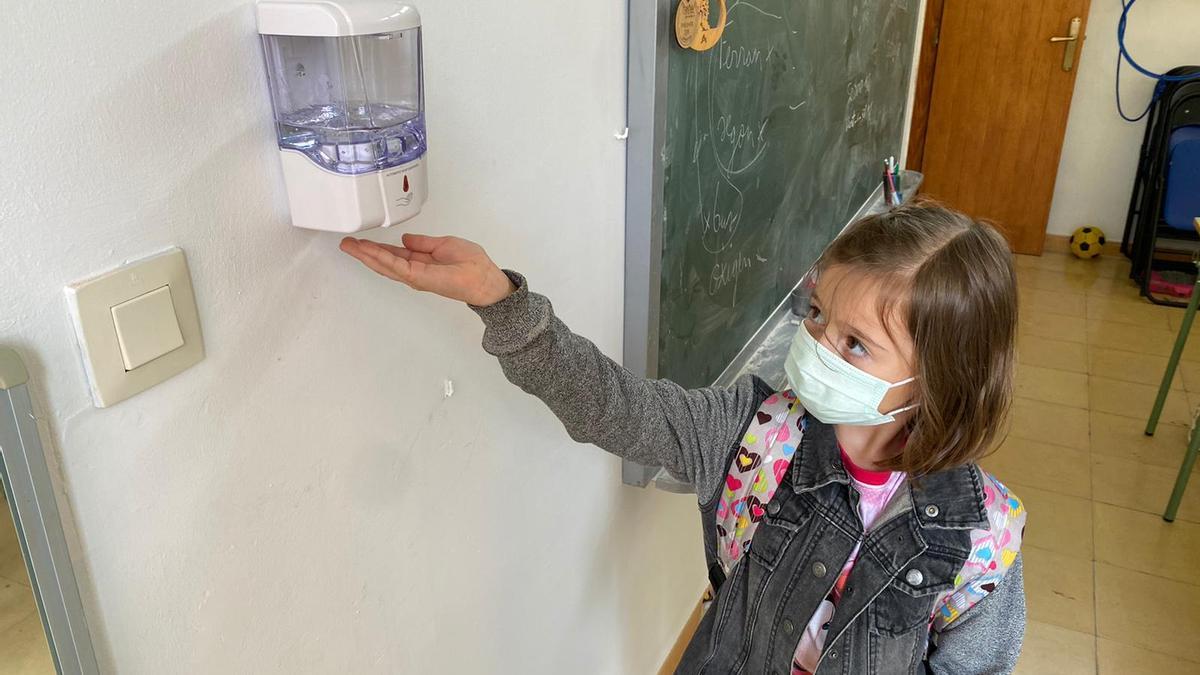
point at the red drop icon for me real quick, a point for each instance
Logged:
(406, 182)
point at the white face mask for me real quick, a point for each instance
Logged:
(834, 391)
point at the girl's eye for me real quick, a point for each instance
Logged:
(814, 313)
(855, 347)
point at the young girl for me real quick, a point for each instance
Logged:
(846, 525)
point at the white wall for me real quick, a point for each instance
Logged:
(305, 500)
(1100, 151)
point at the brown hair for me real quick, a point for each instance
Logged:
(951, 279)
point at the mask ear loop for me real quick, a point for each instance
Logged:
(906, 408)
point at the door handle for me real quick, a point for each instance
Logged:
(1069, 41)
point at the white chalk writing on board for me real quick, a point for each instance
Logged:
(780, 121)
(732, 140)
(722, 217)
(730, 57)
(727, 272)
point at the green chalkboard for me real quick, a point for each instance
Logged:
(774, 138)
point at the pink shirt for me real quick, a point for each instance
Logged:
(875, 490)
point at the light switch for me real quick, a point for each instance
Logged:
(137, 326)
(147, 327)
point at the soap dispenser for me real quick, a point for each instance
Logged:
(347, 92)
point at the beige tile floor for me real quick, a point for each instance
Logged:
(23, 648)
(1110, 587)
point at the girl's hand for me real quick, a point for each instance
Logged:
(448, 266)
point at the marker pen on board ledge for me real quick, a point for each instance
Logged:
(889, 196)
(896, 181)
(887, 186)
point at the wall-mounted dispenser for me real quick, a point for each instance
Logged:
(347, 91)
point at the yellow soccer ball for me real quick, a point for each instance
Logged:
(1087, 242)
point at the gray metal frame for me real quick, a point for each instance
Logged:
(646, 85)
(27, 485)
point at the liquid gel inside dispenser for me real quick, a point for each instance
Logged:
(348, 97)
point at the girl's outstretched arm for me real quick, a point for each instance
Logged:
(690, 432)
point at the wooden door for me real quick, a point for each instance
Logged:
(998, 109)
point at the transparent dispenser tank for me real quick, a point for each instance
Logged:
(352, 104)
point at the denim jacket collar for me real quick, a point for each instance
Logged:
(818, 462)
(950, 499)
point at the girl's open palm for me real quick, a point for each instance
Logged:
(448, 266)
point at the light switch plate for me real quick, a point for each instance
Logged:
(147, 327)
(91, 303)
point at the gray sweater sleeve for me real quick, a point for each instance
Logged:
(987, 639)
(656, 422)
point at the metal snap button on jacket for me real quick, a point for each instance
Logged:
(819, 569)
(932, 511)
(773, 508)
(914, 577)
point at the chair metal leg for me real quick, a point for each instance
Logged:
(1180, 341)
(1185, 472)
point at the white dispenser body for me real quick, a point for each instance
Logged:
(347, 93)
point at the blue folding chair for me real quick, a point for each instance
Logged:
(1166, 190)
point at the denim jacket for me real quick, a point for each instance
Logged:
(910, 561)
(914, 572)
